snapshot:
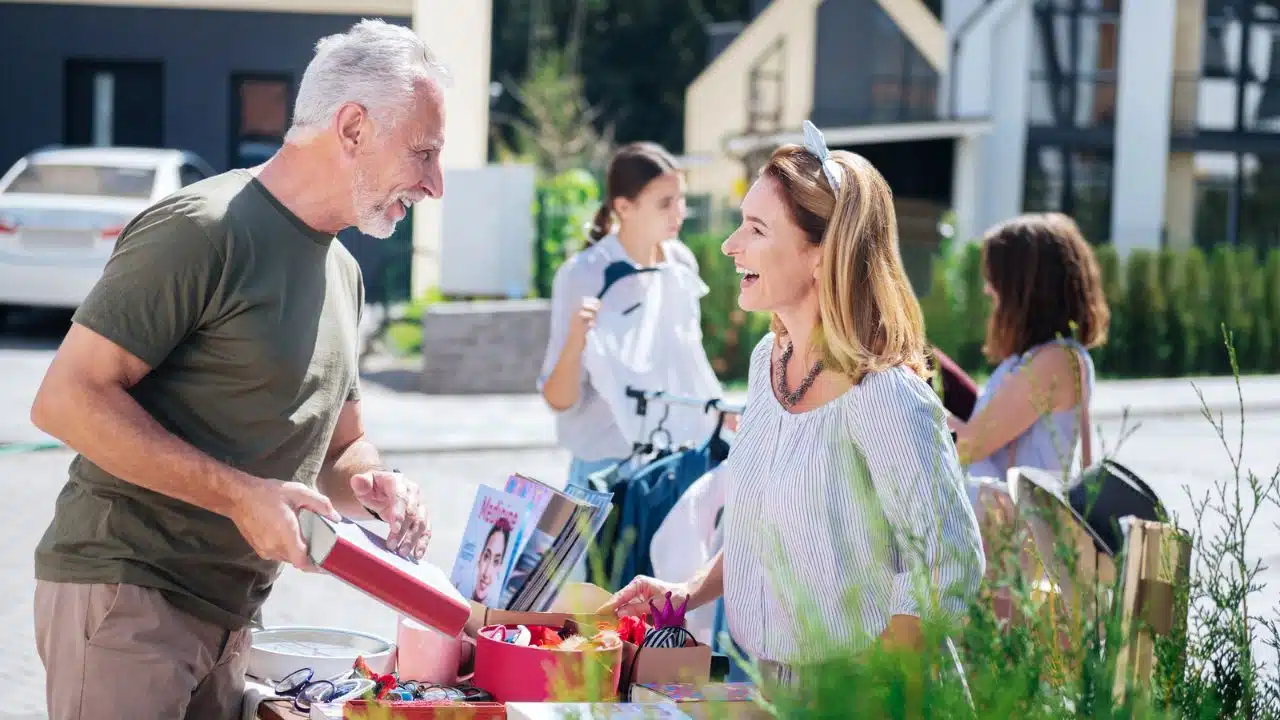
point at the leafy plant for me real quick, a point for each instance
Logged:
(1145, 302)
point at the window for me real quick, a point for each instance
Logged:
(1239, 81)
(260, 117)
(1074, 62)
(1072, 181)
(58, 179)
(188, 174)
(1237, 199)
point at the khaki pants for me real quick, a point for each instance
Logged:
(123, 652)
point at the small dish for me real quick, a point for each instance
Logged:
(328, 652)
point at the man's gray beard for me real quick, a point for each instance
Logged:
(368, 218)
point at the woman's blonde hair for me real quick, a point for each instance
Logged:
(870, 317)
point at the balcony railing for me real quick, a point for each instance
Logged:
(1216, 103)
(882, 98)
(1079, 101)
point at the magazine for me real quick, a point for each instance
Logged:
(541, 589)
(539, 538)
(495, 532)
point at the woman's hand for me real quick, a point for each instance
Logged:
(633, 600)
(903, 633)
(583, 320)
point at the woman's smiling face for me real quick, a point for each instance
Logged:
(772, 253)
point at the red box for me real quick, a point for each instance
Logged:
(520, 673)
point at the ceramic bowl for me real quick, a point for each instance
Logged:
(329, 652)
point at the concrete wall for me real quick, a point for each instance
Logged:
(484, 347)
(200, 50)
(1143, 124)
(460, 33)
(993, 80)
(1180, 183)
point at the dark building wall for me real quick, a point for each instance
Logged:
(199, 49)
(867, 70)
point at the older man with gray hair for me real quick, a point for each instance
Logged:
(209, 385)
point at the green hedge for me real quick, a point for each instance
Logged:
(1167, 309)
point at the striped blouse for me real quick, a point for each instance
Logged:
(827, 513)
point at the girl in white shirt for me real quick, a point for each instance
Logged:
(843, 478)
(639, 223)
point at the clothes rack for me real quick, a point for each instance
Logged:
(646, 485)
(644, 397)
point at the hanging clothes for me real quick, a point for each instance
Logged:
(643, 497)
(683, 543)
(648, 335)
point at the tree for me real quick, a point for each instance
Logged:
(635, 58)
(557, 129)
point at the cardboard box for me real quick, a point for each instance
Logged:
(705, 700)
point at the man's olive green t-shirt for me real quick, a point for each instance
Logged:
(248, 319)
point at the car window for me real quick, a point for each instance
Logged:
(189, 174)
(60, 179)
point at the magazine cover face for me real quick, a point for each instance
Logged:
(488, 545)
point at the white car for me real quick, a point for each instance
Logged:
(61, 211)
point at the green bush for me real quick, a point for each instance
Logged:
(1167, 309)
(564, 206)
(1178, 352)
(1195, 288)
(1144, 336)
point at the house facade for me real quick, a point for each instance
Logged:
(1152, 123)
(218, 78)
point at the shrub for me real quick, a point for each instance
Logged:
(1195, 288)
(1225, 298)
(564, 206)
(1178, 352)
(1110, 357)
(1165, 310)
(1145, 305)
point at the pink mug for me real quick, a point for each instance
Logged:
(426, 655)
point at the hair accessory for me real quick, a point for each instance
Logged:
(816, 144)
(668, 616)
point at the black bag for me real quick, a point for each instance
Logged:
(1106, 492)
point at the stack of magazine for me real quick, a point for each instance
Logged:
(522, 542)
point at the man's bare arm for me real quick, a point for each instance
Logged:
(350, 453)
(84, 402)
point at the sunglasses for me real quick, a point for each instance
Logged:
(305, 691)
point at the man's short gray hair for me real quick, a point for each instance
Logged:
(374, 64)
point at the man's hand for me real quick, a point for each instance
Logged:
(267, 517)
(397, 502)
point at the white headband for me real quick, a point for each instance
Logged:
(817, 145)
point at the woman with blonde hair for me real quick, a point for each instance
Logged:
(843, 471)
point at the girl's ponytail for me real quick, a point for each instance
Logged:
(601, 224)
